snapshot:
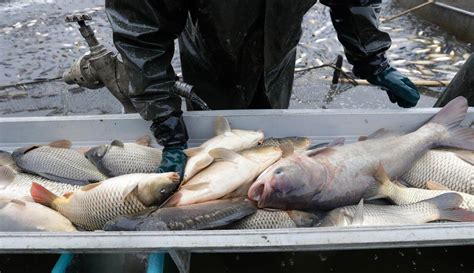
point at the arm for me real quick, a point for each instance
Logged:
(144, 33)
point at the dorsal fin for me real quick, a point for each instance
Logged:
(224, 154)
(363, 138)
(221, 126)
(62, 143)
(117, 143)
(359, 214)
(144, 141)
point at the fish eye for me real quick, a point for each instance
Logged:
(279, 171)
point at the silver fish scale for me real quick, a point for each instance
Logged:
(418, 213)
(92, 212)
(21, 186)
(60, 162)
(442, 167)
(264, 219)
(120, 161)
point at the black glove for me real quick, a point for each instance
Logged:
(399, 88)
(173, 159)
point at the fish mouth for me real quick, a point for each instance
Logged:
(260, 193)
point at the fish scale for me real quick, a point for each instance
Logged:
(265, 219)
(132, 158)
(93, 205)
(443, 167)
(418, 213)
(63, 164)
(21, 186)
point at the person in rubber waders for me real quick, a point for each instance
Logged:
(237, 54)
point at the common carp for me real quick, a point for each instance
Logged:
(453, 168)
(20, 215)
(93, 205)
(18, 185)
(340, 175)
(443, 207)
(118, 158)
(403, 195)
(276, 219)
(58, 163)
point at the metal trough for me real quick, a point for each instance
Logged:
(319, 125)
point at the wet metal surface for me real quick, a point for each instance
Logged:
(36, 43)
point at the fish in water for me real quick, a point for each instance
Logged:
(93, 205)
(299, 143)
(18, 185)
(453, 168)
(402, 195)
(275, 219)
(20, 215)
(57, 162)
(118, 158)
(340, 175)
(207, 215)
(231, 139)
(228, 173)
(443, 207)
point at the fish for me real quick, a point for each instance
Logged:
(231, 139)
(207, 215)
(93, 205)
(6, 160)
(58, 163)
(19, 215)
(299, 143)
(17, 185)
(275, 219)
(340, 175)
(118, 158)
(453, 168)
(385, 188)
(443, 207)
(228, 173)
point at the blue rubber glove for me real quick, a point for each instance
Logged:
(173, 159)
(399, 88)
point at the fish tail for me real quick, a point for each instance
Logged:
(451, 117)
(382, 188)
(448, 207)
(41, 195)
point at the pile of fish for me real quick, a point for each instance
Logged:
(241, 180)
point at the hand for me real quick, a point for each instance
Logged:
(173, 159)
(399, 88)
